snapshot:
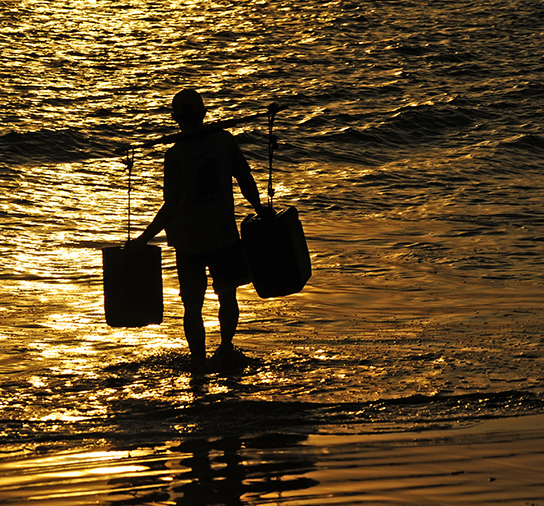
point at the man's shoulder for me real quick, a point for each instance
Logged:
(226, 135)
(217, 137)
(204, 137)
(171, 153)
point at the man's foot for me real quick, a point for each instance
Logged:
(227, 358)
(198, 365)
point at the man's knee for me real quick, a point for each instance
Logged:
(192, 305)
(193, 300)
(227, 298)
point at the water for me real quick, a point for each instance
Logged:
(412, 147)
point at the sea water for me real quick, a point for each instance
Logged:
(412, 147)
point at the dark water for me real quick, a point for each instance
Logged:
(412, 147)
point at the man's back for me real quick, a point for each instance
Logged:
(198, 180)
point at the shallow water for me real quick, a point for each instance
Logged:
(412, 147)
(490, 464)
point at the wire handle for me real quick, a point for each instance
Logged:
(273, 109)
(129, 162)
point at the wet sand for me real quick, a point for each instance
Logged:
(495, 462)
(498, 461)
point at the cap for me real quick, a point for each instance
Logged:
(187, 102)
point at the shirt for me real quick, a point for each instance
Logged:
(198, 174)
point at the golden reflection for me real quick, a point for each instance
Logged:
(37, 382)
(216, 389)
(234, 469)
(115, 470)
(63, 416)
(104, 81)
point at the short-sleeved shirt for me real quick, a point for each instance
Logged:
(198, 174)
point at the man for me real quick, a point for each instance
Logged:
(198, 216)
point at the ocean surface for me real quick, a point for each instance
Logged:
(412, 146)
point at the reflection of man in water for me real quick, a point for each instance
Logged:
(198, 215)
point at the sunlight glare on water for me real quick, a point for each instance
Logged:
(412, 148)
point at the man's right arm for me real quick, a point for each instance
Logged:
(168, 209)
(162, 218)
(247, 184)
(249, 190)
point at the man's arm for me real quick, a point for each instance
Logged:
(162, 218)
(249, 190)
(248, 187)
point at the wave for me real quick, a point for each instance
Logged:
(352, 137)
(419, 121)
(526, 142)
(219, 415)
(238, 410)
(411, 410)
(55, 146)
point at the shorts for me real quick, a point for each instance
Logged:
(227, 267)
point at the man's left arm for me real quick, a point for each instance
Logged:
(162, 218)
(248, 187)
(249, 190)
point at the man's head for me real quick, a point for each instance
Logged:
(188, 109)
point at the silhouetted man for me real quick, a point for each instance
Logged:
(198, 216)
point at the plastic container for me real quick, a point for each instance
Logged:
(132, 286)
(276, 253)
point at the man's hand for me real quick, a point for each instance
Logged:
(139, 242)
(265, 212)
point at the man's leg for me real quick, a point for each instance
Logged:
(228, 270)
(193, 325)
(228, 316)
(226, 356)
(193, 283)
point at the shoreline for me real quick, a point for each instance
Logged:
(497, 461)
(486, 463)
